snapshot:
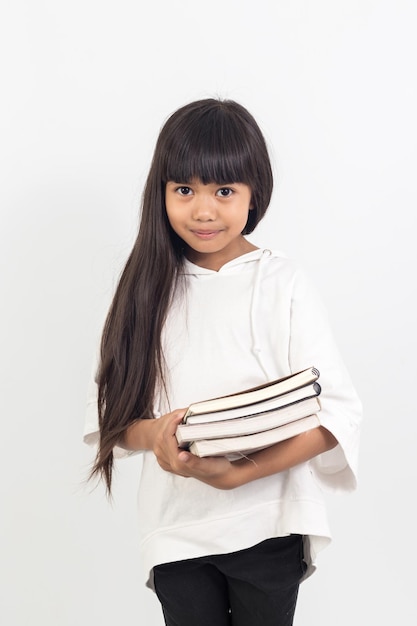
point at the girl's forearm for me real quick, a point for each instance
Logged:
(156, 434)
(139, 435)
(159, 435)
(284, 455)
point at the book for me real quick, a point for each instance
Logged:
(253, 419)
(271, 404)
(187, 433)
(253, 395)
(236, 447)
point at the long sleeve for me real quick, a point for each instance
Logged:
(312, 343)
(91, 434)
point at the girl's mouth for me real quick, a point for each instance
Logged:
(205, 234)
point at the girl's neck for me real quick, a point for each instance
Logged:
(215, 260)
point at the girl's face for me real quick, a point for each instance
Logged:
(209, 219)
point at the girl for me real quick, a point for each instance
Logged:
(200, 312)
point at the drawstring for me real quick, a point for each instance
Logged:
(256, 346)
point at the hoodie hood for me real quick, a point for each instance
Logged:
(257, 258)
(192, 269)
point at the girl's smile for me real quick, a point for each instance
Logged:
(206, 234)
(210, 220)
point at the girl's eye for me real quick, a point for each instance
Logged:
(224, 192)
(184, 191)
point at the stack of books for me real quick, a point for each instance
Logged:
(253, 419)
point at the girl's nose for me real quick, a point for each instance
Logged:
(204, 208)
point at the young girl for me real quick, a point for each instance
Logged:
(201, 312)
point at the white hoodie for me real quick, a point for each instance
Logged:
(256, 319)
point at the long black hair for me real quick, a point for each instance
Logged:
(211, 140)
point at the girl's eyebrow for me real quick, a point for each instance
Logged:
(173, 183)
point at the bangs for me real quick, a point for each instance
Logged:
(213, 150)
(214, 166)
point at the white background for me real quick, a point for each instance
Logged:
(85, 86)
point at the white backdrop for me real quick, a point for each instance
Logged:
(85, 87)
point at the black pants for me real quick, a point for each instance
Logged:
(253, 587)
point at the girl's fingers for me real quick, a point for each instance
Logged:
(166, 445)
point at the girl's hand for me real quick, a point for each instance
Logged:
(215, 471)
(218, 472)
(164, 442)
